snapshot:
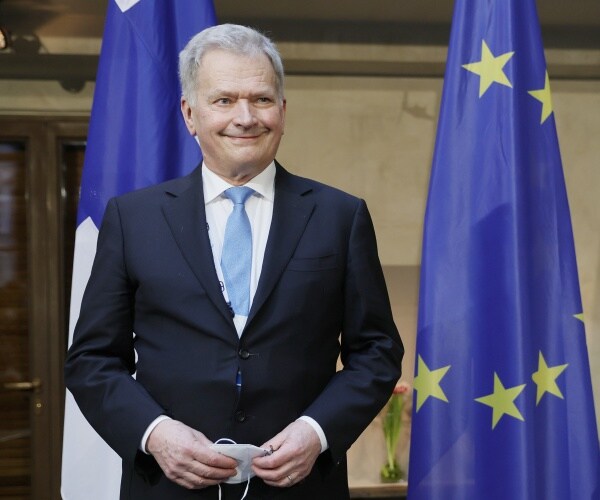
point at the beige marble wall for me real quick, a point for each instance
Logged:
(374, 137)
(577, 109)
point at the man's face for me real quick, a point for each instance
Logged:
(238, 116)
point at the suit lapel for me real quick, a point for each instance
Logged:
(291, 212)
(186, 216)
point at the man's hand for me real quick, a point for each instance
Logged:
(184, 456)
(296, 449)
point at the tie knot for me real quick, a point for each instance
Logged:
(238, 194)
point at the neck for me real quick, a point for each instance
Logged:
(237, 176)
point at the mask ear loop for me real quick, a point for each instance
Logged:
(245, 491)
(231, 441)
(225, 440)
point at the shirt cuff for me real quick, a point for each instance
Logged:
(318, 429)
(150, 428)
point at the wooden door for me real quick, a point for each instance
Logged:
(40, 167)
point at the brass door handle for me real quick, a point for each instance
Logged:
(33, 386)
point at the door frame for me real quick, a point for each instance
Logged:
(46, 286)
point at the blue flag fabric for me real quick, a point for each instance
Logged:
(503, 405)
(136, 138)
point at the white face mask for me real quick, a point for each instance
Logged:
(243, 453)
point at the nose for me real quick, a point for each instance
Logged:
(244, 114)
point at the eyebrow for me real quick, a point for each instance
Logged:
(215, 93)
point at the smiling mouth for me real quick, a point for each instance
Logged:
(248, 135)
(244, 138)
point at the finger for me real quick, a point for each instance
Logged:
(279, 475)
(188, 479)
(214, 459)
(213, 472)
(193, 482)
(275, 443)
(193, 473)
(196, 475)
(290, 480)
(286, 481)
(282, 454)
(271, 461)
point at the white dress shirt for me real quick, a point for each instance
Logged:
(259, 208)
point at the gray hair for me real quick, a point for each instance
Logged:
(234, 38)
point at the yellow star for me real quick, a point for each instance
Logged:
(543, 95)
(502, 400)
(579, 317)
(427, 383)
(489, 68)
(545, 378)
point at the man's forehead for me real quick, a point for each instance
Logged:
(227, 69)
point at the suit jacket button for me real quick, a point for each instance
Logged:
(244, 354)
(240, 415)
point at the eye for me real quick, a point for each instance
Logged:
(223, 100)
(264, 100)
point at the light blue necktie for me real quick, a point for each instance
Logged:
(236, 259)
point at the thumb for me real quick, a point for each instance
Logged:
(274, 443)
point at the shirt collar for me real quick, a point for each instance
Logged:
(263, 183)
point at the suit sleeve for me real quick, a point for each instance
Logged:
(100, 364)
(371, 349)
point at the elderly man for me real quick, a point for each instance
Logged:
(230, 294)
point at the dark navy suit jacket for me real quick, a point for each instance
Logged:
(321, 294)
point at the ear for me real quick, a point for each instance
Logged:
(284, 109)
(186, 111)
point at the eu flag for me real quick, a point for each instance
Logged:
(503, 404)
(136, 138)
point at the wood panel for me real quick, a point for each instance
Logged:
(15, 428)
(40, 167)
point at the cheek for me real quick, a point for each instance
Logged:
(213, 122)
(281, 121)
(275, 122)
